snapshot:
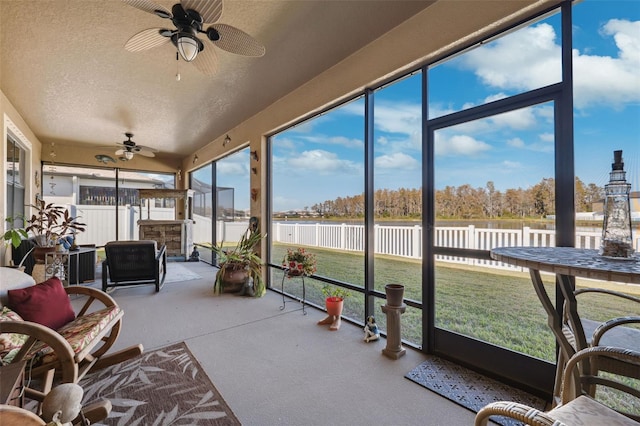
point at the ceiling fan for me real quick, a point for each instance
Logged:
(130, 148)
(189, 18)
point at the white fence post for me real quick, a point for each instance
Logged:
(416, 252)
(526, 236)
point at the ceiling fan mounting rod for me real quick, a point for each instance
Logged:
(184, 19)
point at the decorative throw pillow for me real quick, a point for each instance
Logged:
(46, 303)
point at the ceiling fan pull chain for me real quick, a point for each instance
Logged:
(177, 66)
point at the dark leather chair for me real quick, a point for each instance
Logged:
(132, 263)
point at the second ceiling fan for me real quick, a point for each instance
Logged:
(189, 18)
(130, 148)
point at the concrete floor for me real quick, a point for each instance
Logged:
(278, 367)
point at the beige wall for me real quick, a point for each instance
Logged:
(13, 123)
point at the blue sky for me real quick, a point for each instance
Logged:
(512, 150)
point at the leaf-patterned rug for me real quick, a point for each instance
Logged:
(161, 387)
(468, 388)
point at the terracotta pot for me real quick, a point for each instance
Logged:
(294, 269)
(294, 273)
(334, 305)
(233, 280)
(395, 294)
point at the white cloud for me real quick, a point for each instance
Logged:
(233, 168)
(516, 143)
(398, 160)
(284, 142)
(382, 140)
(530, 58)
(495, 97)
(520, 119)
(459, 145)
(513, 165)
(523, 60)
(436, 109)
(547, 137)
(335, 140)
(321, 161)
(608, 80)
(399, 117)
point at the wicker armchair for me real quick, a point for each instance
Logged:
(581, 333)
(134, 262)
(582, 409)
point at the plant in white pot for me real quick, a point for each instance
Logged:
(334, 302)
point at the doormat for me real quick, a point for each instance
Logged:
(468, 388)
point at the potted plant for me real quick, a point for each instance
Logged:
(13, 235)
(49, 224)
(334, 302)
(299, 262)
(239, 264)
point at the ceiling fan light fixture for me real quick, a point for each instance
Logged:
(128, 155)
(188, 46)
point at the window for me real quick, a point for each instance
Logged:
(92, 193)
(317, 195)
(16, 182)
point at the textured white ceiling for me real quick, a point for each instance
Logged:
(65, 70)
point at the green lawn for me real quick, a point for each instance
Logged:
(497, 306)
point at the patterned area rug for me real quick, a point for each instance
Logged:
(162, 387)
(177, 273)
(468, 388)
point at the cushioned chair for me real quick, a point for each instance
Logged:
(134, 262)
(582, 408)
(38, 326)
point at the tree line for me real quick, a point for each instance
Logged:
(464, 202)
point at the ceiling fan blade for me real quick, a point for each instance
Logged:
(145, 40)
(207, 61)
(145, 148)
(145, 153)
(210, 10)
(237, 41)
(149, 6)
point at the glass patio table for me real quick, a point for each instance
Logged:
(567, 262)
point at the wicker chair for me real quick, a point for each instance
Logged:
(582, 409)
(132, 263)
(613, 332)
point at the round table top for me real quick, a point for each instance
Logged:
(583, 263)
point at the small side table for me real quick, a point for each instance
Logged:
(11, 384)
(285, 274)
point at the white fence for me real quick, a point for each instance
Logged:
(406, 241)
(402, 241)
(101, 222)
